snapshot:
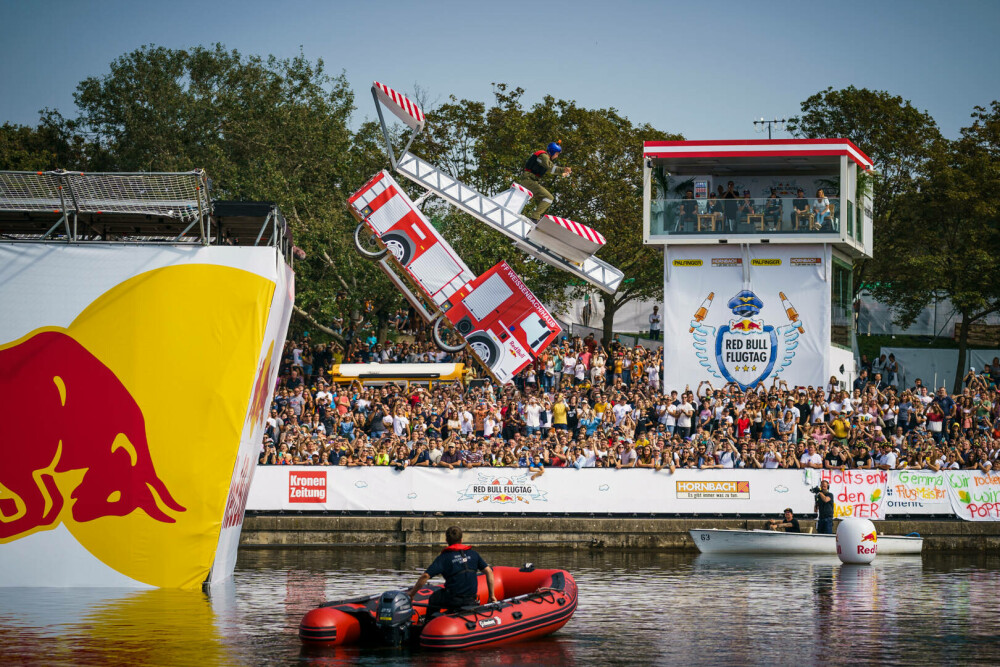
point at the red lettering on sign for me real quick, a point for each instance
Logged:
(306, 487)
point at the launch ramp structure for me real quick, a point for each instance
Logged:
(141, 207)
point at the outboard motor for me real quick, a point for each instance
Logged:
(393, 616)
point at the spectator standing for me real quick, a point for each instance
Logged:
(654, 324)
(811, 459)
(532, 416)
(685, 415)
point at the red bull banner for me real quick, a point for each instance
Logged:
(751, 315)
(134, 381)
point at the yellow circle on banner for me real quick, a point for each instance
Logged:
(184, 341)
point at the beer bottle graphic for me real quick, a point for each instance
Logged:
(702, 312)
(793, 315)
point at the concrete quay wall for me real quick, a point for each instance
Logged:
(321, 530)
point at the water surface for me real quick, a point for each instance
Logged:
(635, 608)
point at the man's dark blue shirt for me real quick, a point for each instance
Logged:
(460, 566)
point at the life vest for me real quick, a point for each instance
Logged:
(533, 165)
(464, 565)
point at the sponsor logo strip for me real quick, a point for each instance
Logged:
(731, 489)
(765, 262)
(687, 262)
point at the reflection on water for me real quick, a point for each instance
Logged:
(108, 627)
(640, 607)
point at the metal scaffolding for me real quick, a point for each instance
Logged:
(80, 207)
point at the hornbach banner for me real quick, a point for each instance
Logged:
(598, 490)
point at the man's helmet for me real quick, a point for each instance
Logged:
(554, 148)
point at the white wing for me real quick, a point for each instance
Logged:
(704, 337)
(790, 335)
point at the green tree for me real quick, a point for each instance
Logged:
(605, 192)
(890, 130)
(263, 129)
(52, 144)
(944, 241)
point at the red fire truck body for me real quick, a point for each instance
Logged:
(418, 248)
(503, 324)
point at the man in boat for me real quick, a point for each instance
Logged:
(788, 523)
(459, 565)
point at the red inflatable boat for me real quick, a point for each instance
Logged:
(532, 603)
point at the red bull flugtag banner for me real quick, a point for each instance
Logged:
(748, 315)
(134, 381)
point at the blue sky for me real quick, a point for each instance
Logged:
(703, 69)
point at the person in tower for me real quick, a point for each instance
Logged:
(538, 165)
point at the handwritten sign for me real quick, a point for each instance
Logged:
(974, 496)
(859, 493)
(917, 492)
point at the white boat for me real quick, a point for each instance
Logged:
(720, 541)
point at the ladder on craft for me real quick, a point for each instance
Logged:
(599, 274)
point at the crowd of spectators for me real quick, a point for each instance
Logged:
(585, 405)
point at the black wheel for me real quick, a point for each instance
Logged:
(464, 326)
(374, 255)
(436, 336)
(399, 245)
(483, 347)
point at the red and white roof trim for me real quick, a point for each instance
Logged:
(403, 108)
(761, 147)
(518, 186)
(583, 231)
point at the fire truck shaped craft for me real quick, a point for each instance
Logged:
(563, 243)
(500, 320)
(504, 326)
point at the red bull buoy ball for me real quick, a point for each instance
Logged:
(857, 541)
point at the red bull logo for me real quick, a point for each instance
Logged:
(868, 544)
(69, 412)
(115, 435)
(745, 325)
